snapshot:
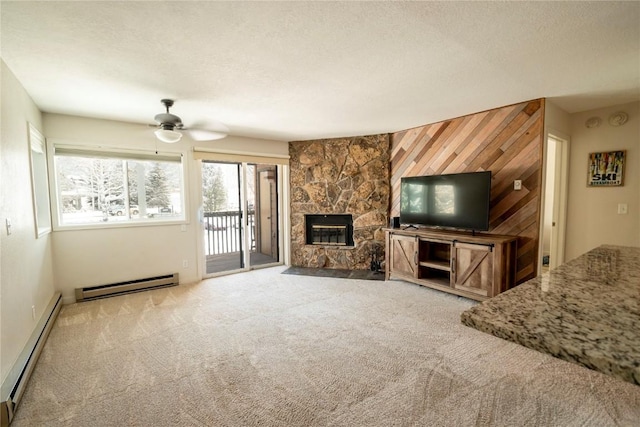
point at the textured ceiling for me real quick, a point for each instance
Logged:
(306, 70)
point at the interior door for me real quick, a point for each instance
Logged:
(559, 204)
(553, 224)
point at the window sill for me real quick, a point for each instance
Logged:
(129, 224)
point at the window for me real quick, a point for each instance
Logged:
(39, 182)
(108, 187)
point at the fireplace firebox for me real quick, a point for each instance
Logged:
(329, 229)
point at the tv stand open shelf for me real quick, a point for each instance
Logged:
(477, 266)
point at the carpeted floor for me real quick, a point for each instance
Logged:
(270, 349)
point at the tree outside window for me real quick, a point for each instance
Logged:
(214, 190)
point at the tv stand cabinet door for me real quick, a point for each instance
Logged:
(403, 255)
(473, 268)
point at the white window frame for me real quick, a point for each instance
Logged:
(39, 182)
(117, 152)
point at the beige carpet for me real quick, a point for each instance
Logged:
(269, 349)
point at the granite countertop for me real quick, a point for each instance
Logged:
(586, 311)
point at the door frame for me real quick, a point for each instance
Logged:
(267, 189)
(559, 201)
(281, 174)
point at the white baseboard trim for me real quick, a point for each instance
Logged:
(15, 383)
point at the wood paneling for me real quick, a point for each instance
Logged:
(508, 142)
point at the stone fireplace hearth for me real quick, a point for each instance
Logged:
(339, 177)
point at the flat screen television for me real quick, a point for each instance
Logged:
(459, 201)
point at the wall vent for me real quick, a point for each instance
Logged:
(103, 291)
(16, 381)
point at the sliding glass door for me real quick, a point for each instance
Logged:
(222, 216)
(240, 216)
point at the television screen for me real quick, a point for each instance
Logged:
(458, 200)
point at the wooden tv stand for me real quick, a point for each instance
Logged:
(476, 266)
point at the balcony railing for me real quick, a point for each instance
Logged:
(223, 232)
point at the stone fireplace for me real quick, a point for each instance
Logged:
(342, 186)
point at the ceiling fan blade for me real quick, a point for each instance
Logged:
(205, 135)
(171, 122)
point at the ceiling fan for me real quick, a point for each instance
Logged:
(169, 127)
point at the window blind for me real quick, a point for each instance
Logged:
(62, 150)
(239, 157)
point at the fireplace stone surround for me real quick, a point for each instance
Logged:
(344, 176)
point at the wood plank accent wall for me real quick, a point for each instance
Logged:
(507, 141)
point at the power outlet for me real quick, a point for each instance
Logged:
(623, 208)
(33, 312)
(517, 184)
(185, 263)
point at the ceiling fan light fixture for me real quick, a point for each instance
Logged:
(167, 135)
(168, 125)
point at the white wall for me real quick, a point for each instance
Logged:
(592, 217)
(556, 120)
(557, 123)
(99, 256)
(26, 272)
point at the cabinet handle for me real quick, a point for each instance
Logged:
(415, 257)
(453, 265)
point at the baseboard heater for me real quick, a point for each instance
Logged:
(16, 381)
(103, 291)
